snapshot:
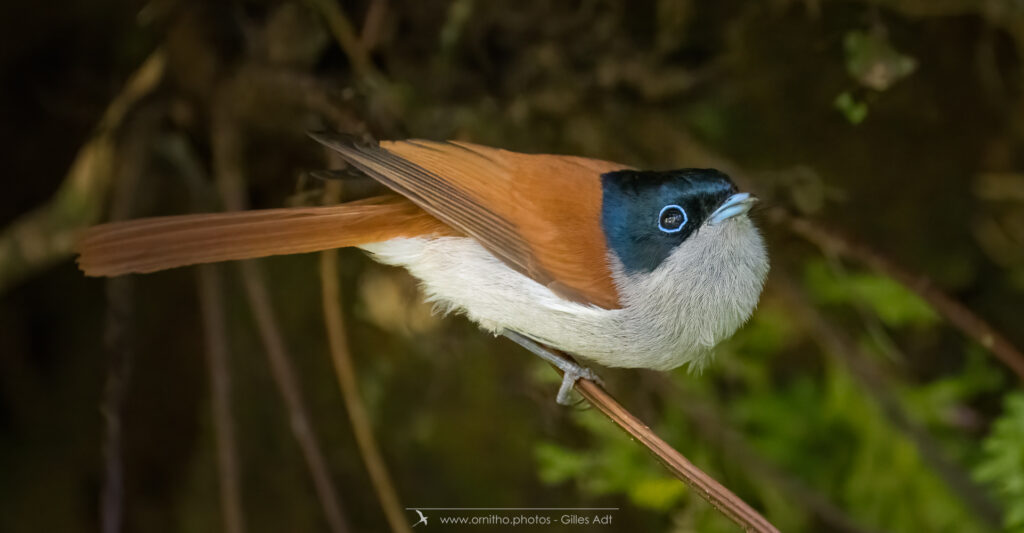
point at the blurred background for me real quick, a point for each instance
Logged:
(877, 387)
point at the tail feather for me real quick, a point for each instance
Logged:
(159, 243)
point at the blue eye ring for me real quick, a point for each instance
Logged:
(662, 214)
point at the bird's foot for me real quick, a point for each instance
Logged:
(569, 378)
(571, 371)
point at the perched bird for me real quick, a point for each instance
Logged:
(616, 266)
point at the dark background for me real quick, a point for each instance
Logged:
(896, 122)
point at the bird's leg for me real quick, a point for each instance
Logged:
(571, 371)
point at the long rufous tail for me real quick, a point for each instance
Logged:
(151, 244)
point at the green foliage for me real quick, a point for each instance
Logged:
(894, 304)
(708, 120)
(1002, 467)
(846, 447)
(853, 109)
(875, 64)
(882, 463)
(459, 13)
(937, 402)
(873, 61)
(614, 464)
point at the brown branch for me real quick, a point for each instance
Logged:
(227, 160)
(211, 305)
(211, 302)
(373, 24)
(255, 87)
(953, 311)
(120, 310)
(44, 236)
(362, 428)
(345, 34)
(288, 386)
(131, 157)
(704, 485)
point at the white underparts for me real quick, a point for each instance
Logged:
(671, 316)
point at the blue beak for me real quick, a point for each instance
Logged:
(735, 206)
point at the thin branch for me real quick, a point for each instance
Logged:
(373, 24)
(704, 485)
(256, 87)
(345, 34)
(347, 381)
(209, 282)
(175, 149)
(955, 312)
(131, 157)
(118, 331)
(227, 158)
(211, 301)
(288, 386)
(362, 428)
(44, 236)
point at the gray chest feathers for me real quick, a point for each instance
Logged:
(673, 315)
(706, 289)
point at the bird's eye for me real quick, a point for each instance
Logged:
(672, 219)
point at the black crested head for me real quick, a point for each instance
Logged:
(646, 214)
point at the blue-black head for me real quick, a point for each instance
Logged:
(647, 214)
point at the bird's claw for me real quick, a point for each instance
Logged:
(570, 376)
(571, 371)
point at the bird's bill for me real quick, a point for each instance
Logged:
(734, 206)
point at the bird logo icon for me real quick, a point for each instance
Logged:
(423, 518)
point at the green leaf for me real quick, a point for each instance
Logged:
(854, 110)
(873, 61)
(557, 464)
(895, 305)
(1002, 466)
(612, 464)
(660, 494)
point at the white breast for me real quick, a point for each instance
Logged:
(669, 317)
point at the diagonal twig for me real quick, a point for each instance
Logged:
(288, 386)
(954, 312)
(227, 159)
(713, 492)
(362, 429)
(345, 34)
(133, 155)
(211, 301)
(45, 235)
(210, 288)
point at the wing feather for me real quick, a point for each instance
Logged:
(540, 214)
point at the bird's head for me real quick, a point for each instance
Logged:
(685, 254)
(649, 215)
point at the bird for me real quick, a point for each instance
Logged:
(613, 265)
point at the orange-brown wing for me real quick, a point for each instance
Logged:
(541, 214)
